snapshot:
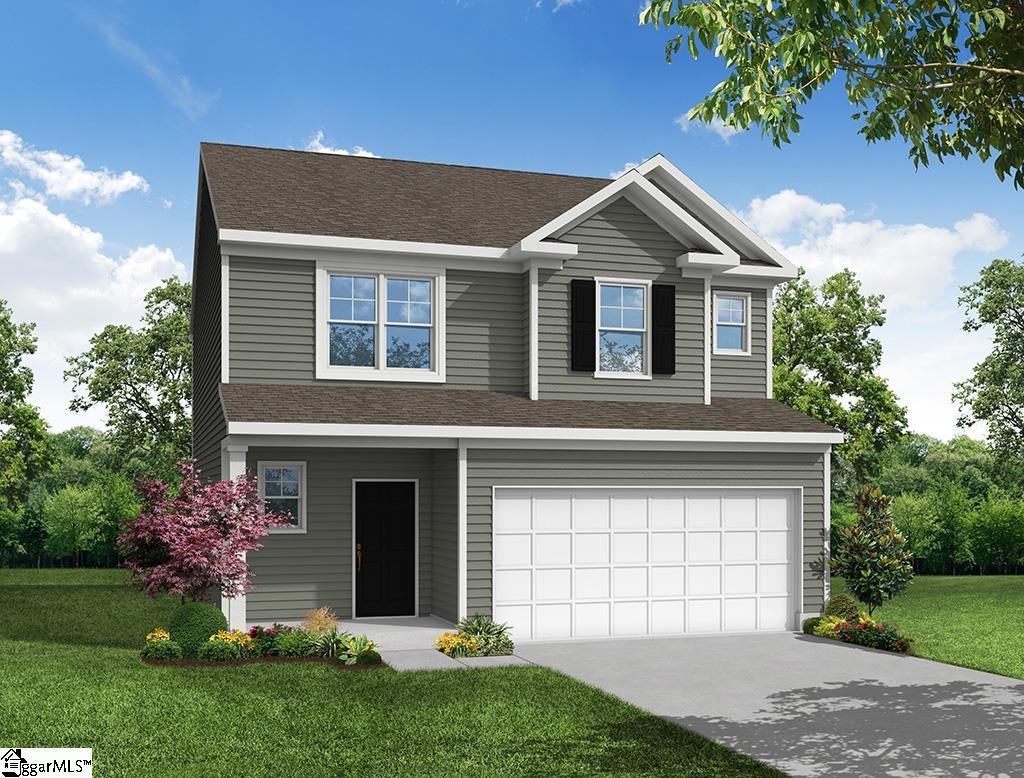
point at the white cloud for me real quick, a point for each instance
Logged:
(715, 126)
(316, 143)
(62, 176)
(175, 86)
(558, 5)
(61, 279)
(623, 170)
(924, 349)
(166, 203)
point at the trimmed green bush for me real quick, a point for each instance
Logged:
(843, 606)
(368, 658)
(219, 651)
(492, 637)
(826, 627)
(162, 649)
(193, 623)
(810, 624)
(295, 643)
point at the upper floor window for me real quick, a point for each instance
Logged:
(283, 489)
(732, 323)
(379, 326)
(622, 333)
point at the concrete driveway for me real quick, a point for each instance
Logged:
(811, 706)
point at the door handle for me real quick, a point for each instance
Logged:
(359, 557)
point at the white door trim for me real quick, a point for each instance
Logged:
(416, 532)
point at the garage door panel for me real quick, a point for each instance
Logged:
(596, 562)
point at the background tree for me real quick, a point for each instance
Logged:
(994, 393)
(73, 520)
(24, 451)
(826, 359)
(142, 376)
(947, 76)
(873, 560)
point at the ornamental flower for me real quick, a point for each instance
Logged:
(157, 635)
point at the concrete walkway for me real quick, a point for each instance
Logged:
(811, 706)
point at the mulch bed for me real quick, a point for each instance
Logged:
(258, 660)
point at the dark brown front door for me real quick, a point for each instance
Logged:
(385, 556)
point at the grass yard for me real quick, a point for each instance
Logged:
(971, 621)
(71, 676)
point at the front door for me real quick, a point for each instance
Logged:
(385, 551)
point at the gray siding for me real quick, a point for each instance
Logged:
(273, 325)
(744, 376)
(621, 242)
(489, 468)
(294, 573)
(208, 424)
(445, 535)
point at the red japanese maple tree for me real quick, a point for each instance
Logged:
(192, 539)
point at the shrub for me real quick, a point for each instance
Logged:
(193, 623)
(826, 628)
(457, 644)
(297, 642)
(227, 645)
(810, 624)
(160, 646)
(842, 605)
(873, 634)
(359, 650)
(320, 621)
(492, 637)
(329, 644)
(265, 638)
(873, 558)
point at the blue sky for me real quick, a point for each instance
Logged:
(577, 88)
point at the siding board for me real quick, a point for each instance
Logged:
(744, 376)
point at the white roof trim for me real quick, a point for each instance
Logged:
(529, 433)
(660, 168)
(646, 196)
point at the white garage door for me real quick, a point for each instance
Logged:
(603, 562)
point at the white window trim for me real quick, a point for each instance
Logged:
(646, 283)
(744, 352)
(300, 529)
(325, 370)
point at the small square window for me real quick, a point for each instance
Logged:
(732, 330)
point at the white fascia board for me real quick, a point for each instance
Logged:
(667, 173)
(261, 239)
(776, 275)
(529, 433)
(698, 258)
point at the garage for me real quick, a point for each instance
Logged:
(589, 562)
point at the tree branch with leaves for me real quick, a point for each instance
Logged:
(945, 76)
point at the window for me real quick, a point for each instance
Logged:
(283, 488)
(379, 326)
(622, 329)
(732, 325)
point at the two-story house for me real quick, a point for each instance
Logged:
(542, 397)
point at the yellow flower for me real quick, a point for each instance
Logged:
(157, 635)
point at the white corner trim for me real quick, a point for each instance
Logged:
(827, 501)
(534, 333)
(263, 465)
(232, 463)
(225, 319)
(708, 324)
(769, 367)
(463, 520)
(747, 316)
(468, 433)
(329, 372)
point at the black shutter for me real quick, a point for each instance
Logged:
(583, 340)
(663, 329)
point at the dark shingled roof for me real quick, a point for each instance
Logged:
(319, 404)
(275, 190)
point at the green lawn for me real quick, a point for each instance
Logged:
(70, 676)
(971, 621)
